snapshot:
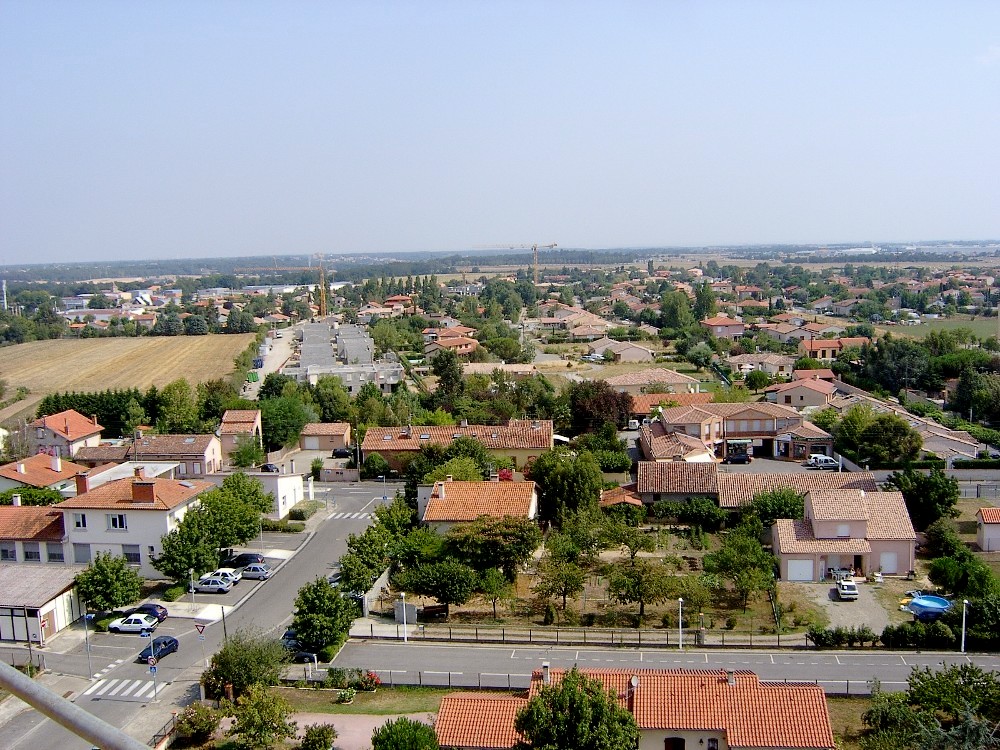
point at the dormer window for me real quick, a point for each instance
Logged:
(843, 530)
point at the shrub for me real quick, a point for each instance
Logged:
(335, 678)
(287, 527)
(367, 681)
(318, 737)
(304, 510)
(101, 625)
(329, 651)
(197, 723)
(174, 593)
(346, 695)
(730, 623)
(549, 617)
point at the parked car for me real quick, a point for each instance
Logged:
(212, 586)
(257, 572)
(847, 590)
(133, 624)
(242, 560)
(270, 468)
(298, 653)
(334, 578)
(160, 647)
(149, 608)
(229, 574)
(819, 461)
(341, 453)
(737, 458)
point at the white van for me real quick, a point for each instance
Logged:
(821, 461)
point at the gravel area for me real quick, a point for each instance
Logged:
(866, 610)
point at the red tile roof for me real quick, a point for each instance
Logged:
(990, 515)
(824, 387)
(31, 523)
(644, 403)
(172, 445)
(820, 374)
(69, 424)
(118, 495)
(798, 537)
(720, 320)
(626, 495)
(678, 478)
(516, 434)
(39, 470)
(739, 489)
(325, 428)
(478, 720)
(467, 501)
(648, 377)
(659, 443)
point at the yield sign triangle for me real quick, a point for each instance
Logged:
(199, 627)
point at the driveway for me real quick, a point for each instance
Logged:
(866, 610)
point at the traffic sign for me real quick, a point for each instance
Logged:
(201, 637)
(152, 670)
(199, 627)
(151, 661)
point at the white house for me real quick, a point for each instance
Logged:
(286, 489)
(63, 434)
(37, 602)
(988, 529)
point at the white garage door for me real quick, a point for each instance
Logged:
(311, 444)
(800, 570)
(888, 563)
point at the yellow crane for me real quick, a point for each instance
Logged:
(320, 294)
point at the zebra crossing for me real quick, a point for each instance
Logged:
(350, 515)
(124, 690)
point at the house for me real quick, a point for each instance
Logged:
(31, 534)
(623, 351)
(676, 481)
(846, 528)
(63, 434)
(448, 503)
(195, 455)
(657, 443)
(674, 709)
(775, 365)
(127, 517)
(822, 304)
(325, 436)
(515, 371)
(988, 529)
(820, 374)
(461, 345)
(827, 350)
(624, 495)
(801, 394)
(285, 488)
(671, 380)
(40, 471)
(239, 425)
(645, 404)
(723, 327)
(521, 440)
(844, 307)
(37, 602)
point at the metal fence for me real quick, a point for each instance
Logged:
(162, 737)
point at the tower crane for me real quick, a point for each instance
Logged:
(321, 293)
(534, 253)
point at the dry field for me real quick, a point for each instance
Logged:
(97, 364)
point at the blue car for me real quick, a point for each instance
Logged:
(160, 647)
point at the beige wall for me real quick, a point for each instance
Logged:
(830, 529)
(800, 398)
(653, 739)
(904, 550)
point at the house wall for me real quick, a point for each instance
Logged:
(830, 529)
(799, 398)
(905, 553)
(988, 536)
(633, 354)
(60, 612)
(43, 551)
(325, 442)
(654, 739)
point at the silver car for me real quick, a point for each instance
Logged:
(257, 572)
(212, 586)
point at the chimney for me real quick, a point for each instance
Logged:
(82, 483)
(143, 492)
(16, 501)
(140, 472)
(440, 489)
(93, 418)
(449, 478)
(292, 462)
(56, 464)
(66, 422)
(464, 423)
(730, 677)
(546, 679)
(20, 467)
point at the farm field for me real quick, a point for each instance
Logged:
(981, 327)
(98, 364)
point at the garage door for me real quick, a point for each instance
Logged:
(888, 563)
(800, 570)
(311, 444)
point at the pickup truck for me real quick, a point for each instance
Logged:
(847, 590)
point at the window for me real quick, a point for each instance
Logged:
(131, 553)
(80, 521)
(54, 551)
(196, 468)
(182, 468)
(31, 552)
(843, 529)
(712, 744)
(117, 522)
(81, 553)
(8, 552)
(788, 399)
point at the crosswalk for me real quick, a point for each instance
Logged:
(351, 515)
(123, 690)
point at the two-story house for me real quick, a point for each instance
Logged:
(723, 327)
(31, 534)
(801, 394)
(237, 425)
(775, 365)
(63, 434)
(863, 531)
(127, 517)
(195, 455)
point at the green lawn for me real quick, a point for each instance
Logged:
(981, 327)
(845, 720)
(398, 700)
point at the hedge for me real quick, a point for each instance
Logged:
(977, 463)
(302, 511)
(284, 526)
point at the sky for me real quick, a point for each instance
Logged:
(202, 129)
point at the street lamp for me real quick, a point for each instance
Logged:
(680, 624)
(86, 637)
(965, 606)
(260, 524)
(384, 495)
(402, 595)
(191, 573)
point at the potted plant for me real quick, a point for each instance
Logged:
(346, 695)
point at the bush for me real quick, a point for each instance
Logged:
(549, 618)
(978, 463)
(286, 527)
(366, 681)
(329, 652)
(335, 678)
(346, 695)
(101, 625)
(304, 510)
(318, 737)
(197, 723)
(174, 593)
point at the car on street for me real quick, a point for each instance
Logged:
(847, 590)
(821, 461)
(341, 453)
(149, 608)
(212, 586)
(232, 575)
(243, 559)
(270, 469)
(737, 458)
(160, 647)
(257, 572)
(133, 624)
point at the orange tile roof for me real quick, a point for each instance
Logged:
(678, 477)
(38, 470)
(820, 386)
(798, 537)
(117, 495)
(325, 428)
(644, 403)
(478, 720)
(719, 320)
(621, 495)
(647, 377)
(516, 434)
(739, 489)
(990, 515)
(660, 443)
(172, 445)
(102, 453)
(31, 523)
(240, 415)
(837, 505)
(467, 501)
(887, 516)
(820, 374)
(69, 424)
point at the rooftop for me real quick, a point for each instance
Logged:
(31, 523)
(648, 377)
(467, 501)
(516, 434)
(325, 428)
(678, 477)
(797, 537)
(739, 489)
(33, 586)
(121, 494)
(69, 424)
(40, 470)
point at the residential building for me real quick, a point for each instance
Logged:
(37, 602)
(448, 503)
(723, 327)
(646, 404)
(63, 434)
(775, 365)
(127, 517)
(285, 489)
(195, 455)
(461, 345)
(237, 425)
(801, 394)
(514, 371)
(325, 436)
(671, 380)
(40, 471)
(521, 440)
(657, 443)
(863, 531)
(674, 709)
(346, 352)
(678, 481)
(988, 529)
(823, 373)
(827, 350)
(624, 495)
(31, 534)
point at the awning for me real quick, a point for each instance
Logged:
(740, 441)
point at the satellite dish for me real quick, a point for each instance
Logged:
(634, 682)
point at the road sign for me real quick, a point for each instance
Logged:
(152, 670)
(151, 661)
(199, 627)
(201, 637)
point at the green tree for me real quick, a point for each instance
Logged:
(700, 355)
(374, 466)
(704, 301)
(247, 658)
(631, 539)
(189, 546)
(460, 468)
(260, 719)
(559, 578)
(950, 690)
(197, 723)
(109, 582)
(494, 586)
(404, 734)
(743, 560)
(783, 503)
(675, 309)
(248, 490)
(576, 713)
(31, 496)
(565, 481)
(332, 399)
(240, 321)
(504, 542)
(282, 420)
(757, 379)
(448, 581)
(448, 370)
(248, 452)
(178, 408)
(195, 325)
(323, 616)
(318, 737)
(888, 439)
(639, 582)
(594, 403)
(928, 497)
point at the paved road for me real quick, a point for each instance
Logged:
(122, 692)
(491, 666)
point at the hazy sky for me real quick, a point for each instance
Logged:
(187, 129)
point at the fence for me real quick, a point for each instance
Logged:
(163, 737)
(21, 658)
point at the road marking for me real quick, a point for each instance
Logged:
(903, 660)
(344, 516)
(118, 688)
(837, 658)
(772, 658)
(121, 690)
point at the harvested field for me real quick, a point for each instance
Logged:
(98, 364)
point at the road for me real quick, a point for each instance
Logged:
(491, 666)
(123, 689)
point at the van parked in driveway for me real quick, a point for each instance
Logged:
(820, 461)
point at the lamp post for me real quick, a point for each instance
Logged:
(191, 573)
(86, 638)
(384, 495)
(260, 525)
(965, 606)
(680, 624)
(402, 595)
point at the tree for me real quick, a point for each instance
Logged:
(240, 321)
(928, 496)
(889, 439)
(565, 481)
(374, 466)
(448, 370)
(704, 301)
(274, 386)
(260, 718)
(757, 379)
(594, 403)
(783, 503)
(248, 452)
(31, 496)
(242, 488)
(700, 355)
(247, 658)
(460, 468)
(332, 399)
(676, 310)
(631, 539)
(109, 582)
(404, 734)
(743, 560)
(323, 615)
(639, 581)
(190, 546)
(494, 586)
(318, 737)
(282, 420)
(576, 713)
(178, 408)
(447, 581)
(557, 577)
(505, 542)
(951, 690)
(195, 325)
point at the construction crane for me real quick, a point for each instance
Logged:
(534, 253)
(321, 293)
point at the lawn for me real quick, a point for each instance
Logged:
(981, 327)
(398, 700)
(845, 720)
